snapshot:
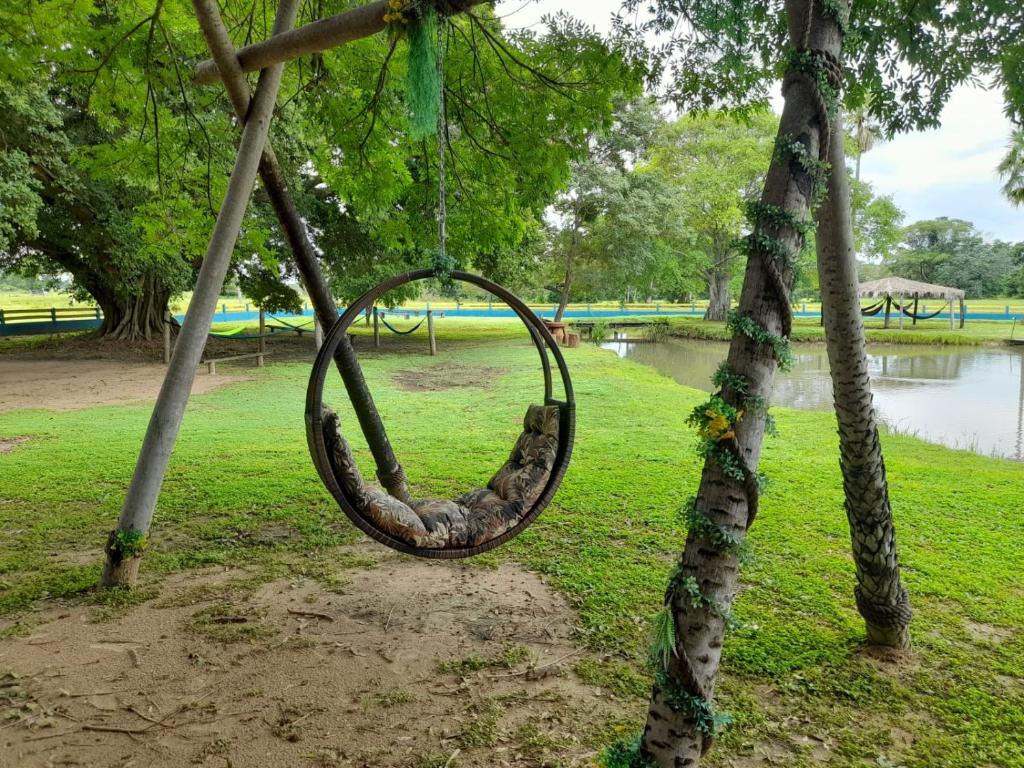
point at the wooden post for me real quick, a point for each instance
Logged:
(430, 333)
(318, 333)
(963, 312)
(122, 563)
(167, 337)
(914, 318)
(262, 341)
(900, 309)
(376, 329)
(888, 307)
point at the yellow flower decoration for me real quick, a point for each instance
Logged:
(718, 427)
(396, 15)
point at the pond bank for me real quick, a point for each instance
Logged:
(979, 333)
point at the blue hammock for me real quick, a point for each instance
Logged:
(398, 332)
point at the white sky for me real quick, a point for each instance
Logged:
(950, 171)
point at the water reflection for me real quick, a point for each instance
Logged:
(969, 398)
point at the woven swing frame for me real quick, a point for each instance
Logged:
(547, 349)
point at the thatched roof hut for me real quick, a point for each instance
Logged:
(900, 286)
(897, 291)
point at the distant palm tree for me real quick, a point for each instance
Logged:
(1011, 169)
(864, 131)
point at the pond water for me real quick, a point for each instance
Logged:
(967, 397)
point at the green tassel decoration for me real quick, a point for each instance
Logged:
(423, 87)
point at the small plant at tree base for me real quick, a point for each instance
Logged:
(125, 545)
(625, 755)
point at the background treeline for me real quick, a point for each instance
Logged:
(565, 181)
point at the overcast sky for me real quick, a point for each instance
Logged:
(950, 171)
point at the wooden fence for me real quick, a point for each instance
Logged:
(28, 322)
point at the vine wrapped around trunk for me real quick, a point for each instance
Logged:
(681, 720)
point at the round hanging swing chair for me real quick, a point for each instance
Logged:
(481, 519)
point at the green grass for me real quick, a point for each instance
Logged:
(241, 489)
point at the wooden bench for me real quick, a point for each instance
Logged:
(586, 327)
(211, 365)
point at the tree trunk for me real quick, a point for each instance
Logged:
(881, 598)
(702, 589)
(718, 293)
(563, 298)
(137, 316)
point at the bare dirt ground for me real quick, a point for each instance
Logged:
(71, 372)
(65, 385)
(447, 376)
(390, 662)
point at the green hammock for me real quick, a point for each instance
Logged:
(228, 334)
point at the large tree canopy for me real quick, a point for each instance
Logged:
(135, 158)
(716, 164)
(902, 58)
(953, 252)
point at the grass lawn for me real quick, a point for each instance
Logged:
(793, 664)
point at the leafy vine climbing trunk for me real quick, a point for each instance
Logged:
(681, 722)
(881, 598)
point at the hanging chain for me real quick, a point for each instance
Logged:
(442, 141)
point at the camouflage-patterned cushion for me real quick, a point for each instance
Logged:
(387, 513)
(489, 515)
(528, 468)
(446, 521)
(470, 520)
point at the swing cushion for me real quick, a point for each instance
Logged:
(471, 519)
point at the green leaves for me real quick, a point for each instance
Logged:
(901, 59)
(663, 638)
(1011, 169)
(952, 252)
(714, 164)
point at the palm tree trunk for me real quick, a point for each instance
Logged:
(679, 728)
(881, 598)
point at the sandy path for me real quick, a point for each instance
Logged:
(61, 385)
